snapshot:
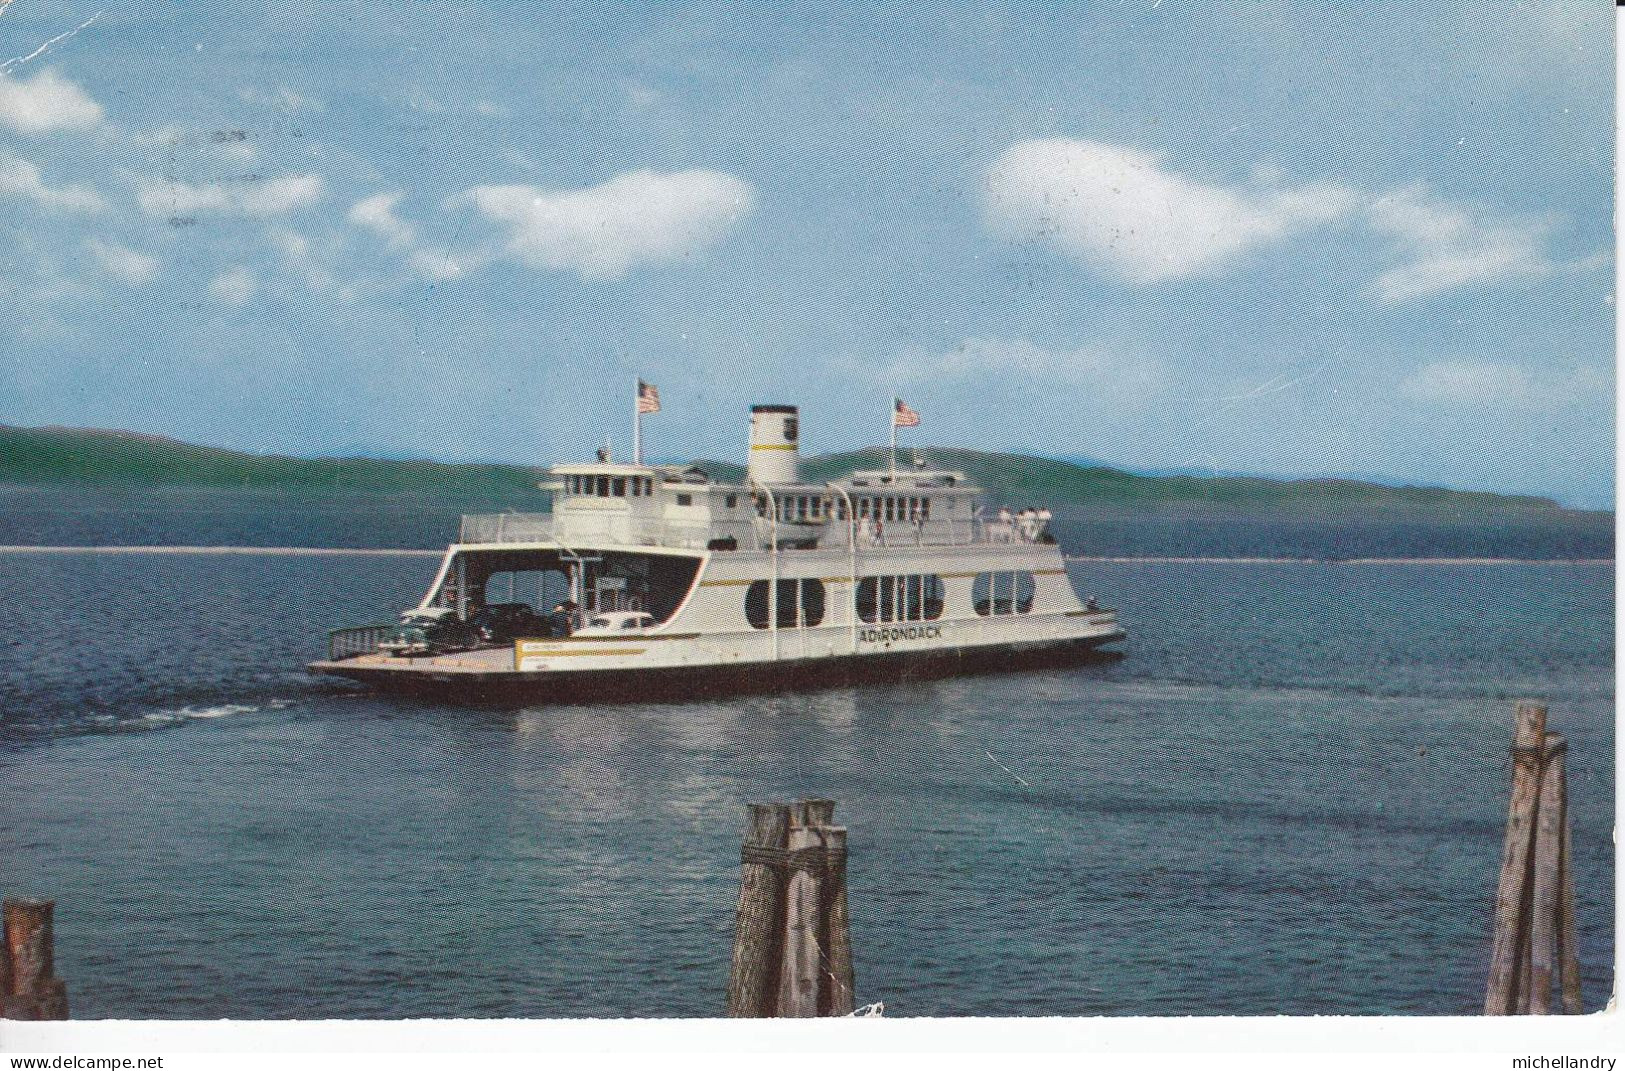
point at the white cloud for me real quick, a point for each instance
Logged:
(1122, 210)
(46, 102)
(377, 214)
(1498, 384)
(233, 287)
(263, 197)
(1448, 247)
(20, 178)
(1100, 372)
(123, 262)
(444, 264)
(603, 231)
(312, 261)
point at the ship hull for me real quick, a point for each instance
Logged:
(690, 682)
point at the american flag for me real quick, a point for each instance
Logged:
(902, 416)
(648, 397)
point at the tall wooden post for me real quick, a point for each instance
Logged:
(1512, 890)
(838, 997)
(1568, 941)
(1544, 908)
(798, 988)
(754, 984)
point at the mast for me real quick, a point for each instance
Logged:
(637, 421)
(893, 415)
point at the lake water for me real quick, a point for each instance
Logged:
(1288, 798)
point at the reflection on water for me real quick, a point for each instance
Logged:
(1288, 799)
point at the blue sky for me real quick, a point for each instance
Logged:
(1286, 239)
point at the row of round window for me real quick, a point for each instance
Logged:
(883, 599)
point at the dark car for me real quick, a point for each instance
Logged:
(505, 621)
(429, 632)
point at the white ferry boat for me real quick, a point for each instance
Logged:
(649, 580)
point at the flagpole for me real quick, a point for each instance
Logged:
(637, 421)
(894, 402)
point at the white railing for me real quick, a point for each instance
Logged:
(506, 528)
(539, 528)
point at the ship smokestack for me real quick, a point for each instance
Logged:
(774, 455)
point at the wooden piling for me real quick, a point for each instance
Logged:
(29, 943)
(1568, 941)
(754, 984)
(837, 997)
(793, 945)
(803, 955)
(1512, 889)
(32, 990)
(1544, 907)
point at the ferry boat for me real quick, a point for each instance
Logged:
(649, 580)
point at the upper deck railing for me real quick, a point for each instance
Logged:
(542, 528)
(506, 528)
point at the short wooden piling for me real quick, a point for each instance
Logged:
(32, 990)
(754, 984)
(1512, 889)
(1544, 908)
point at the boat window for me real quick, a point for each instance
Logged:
(598, 622)
(791, 429)
(914, 597)
(618, 487)
(1002, 593)
(732, 501)
(800, 603)
(603, 487)
(632, 622)
(685, 500)
(539, 589)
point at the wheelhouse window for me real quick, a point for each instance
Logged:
(912, 597)
(800, 603)
(1002, 593)
(685, 500)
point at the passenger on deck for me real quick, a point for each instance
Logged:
(1025, 522)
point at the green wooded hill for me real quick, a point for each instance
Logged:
(1023, 480)
(81, 457)
(78, 457)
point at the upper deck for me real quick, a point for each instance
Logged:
(607, 504)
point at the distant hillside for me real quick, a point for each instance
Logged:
(1023, 480)
(82, 457)
(77, 457)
